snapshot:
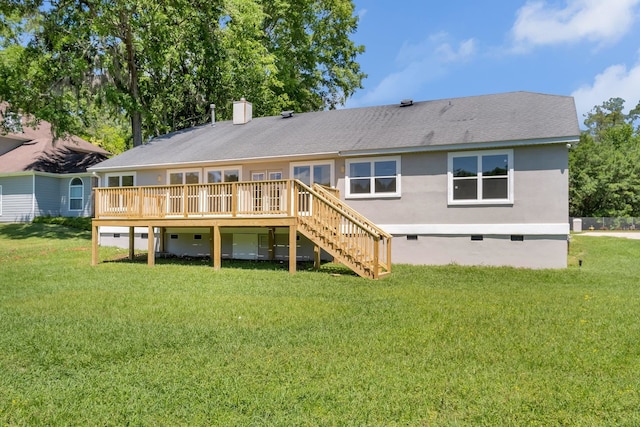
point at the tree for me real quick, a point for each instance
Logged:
(605, 165)
(162, 63)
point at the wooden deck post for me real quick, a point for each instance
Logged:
(94, 244)
(151, 255)
(132, 236)
(216, 246)
(292, 248)
(316, 257)
(376, 258)
(185, 201)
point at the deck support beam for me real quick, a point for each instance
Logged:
(293, 242)
(151, 248)
(316, 257)
(94, 244)
(216, 247)
(132, 236)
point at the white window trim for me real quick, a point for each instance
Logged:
(0, 200)
(331, 163)
(373, 195)
(119, 175)
(510, 178)
(184, 172)
(76, 198)
(221, 169)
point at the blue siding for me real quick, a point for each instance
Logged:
(17, 200)
(64, 197)
(47, 196)
(51, 197)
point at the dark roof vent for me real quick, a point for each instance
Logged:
(287, 114)
(406, 102)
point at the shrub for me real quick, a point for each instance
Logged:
(82, 223)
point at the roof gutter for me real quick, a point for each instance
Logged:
(177, 165)
(49, 174)
(460, 147)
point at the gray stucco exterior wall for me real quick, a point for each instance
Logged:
(540, 192)
(427, 229)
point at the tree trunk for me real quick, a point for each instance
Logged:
(136, 127)
(136, 115)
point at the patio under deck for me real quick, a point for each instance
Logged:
(313, 212)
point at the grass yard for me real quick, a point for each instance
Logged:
(122, 343)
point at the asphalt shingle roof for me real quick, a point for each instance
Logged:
(34, 149)
(515, 116)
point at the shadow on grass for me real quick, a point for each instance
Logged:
(328, 267)
(46, 231)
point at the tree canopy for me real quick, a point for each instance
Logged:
(605, 165)
(161, 64)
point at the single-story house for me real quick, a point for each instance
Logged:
(41, 176)
(479, 180)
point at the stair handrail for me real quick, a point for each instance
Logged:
(357, 221)
(352, 212)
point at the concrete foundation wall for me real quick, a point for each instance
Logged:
(493, 250)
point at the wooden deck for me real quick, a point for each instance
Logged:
(316, 213)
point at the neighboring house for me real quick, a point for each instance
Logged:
(479, 180)
(43, 177)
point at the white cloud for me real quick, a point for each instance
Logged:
(598, 21)
(615, 82)
(361, 14)
(418, 64)
(464, 52)
(437, 47)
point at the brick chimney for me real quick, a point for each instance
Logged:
(242, 112)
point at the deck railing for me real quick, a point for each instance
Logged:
(195, 200)
(346, 234)
(322, 217)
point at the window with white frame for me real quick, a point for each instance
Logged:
(0, 199)
(274, 175)
(76, 194)
(230, 174)
(121, 180)
(480, 177)
(313, 172)
(185, 176)
(373, 177)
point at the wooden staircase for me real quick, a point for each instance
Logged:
(341, 231)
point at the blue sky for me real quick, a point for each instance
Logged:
(421, 49)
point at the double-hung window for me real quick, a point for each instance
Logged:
(481, 177)
(373, 177)
(76, 194)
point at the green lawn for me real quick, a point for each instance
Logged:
(181, 344)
